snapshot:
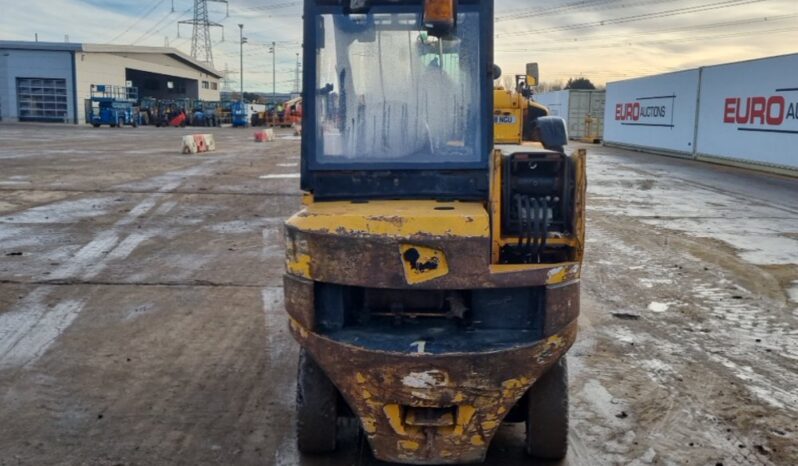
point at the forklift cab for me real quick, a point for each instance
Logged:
(390, 108)
(432, 278)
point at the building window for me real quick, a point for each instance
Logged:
(205, 85)
(42, 99)
(214, 86)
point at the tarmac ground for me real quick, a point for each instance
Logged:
(142, 322)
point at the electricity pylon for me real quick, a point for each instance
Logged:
(201, 47)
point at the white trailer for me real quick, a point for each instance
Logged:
(749, 113)
(743, 113)
(655, 113)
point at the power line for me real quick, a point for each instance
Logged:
(138, 20)
(658, 42)
(527, 12)
(766, 19)
(154, 29)
(641, 17)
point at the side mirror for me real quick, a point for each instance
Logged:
(497, 72)
(532, 74)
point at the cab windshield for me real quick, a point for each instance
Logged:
(389, 93)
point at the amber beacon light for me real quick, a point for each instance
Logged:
(439, 13)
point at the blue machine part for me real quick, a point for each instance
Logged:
(239, 114)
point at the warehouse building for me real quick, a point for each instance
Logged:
(50, 82)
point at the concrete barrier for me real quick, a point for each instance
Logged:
(198, 143)
(266, 135)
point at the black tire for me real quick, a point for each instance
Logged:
(316, 408)
(547, 414)
(96, 125)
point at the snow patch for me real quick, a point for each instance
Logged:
(657, 307)
(279, 176)
(604, 404)
(793, 292)
(27, 331)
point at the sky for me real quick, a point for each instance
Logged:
(602, 40)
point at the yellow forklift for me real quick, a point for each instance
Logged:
(432, 277)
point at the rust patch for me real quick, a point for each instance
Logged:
(562, 307)
(375, 261)
(299, 300)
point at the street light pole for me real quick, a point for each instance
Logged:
(296, 76)
(274, 73)
(241, 71)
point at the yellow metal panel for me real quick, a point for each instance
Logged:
(395, 218)
(507, 125)
(422, 264)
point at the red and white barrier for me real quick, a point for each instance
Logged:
(198, 143)
(266, 135)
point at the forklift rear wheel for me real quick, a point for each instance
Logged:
(316, 408)
(547, 414)
(95, 125)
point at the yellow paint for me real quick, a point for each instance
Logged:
(477, 440)
(501, 410)
(556, 341)
(299, 266)
(369, 425)
(429, 263)
(508, 116)
(395, 218)
(394, 414)
(360, 378)
(489, 425)
(409, 445)
(557, 275)
(297, 327)
(366, 394)
(464, 415)
(307, 199)
(512, 386)
(507, 125)
(458, 397)
(512, 383)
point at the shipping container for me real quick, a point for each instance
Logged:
(582, 110)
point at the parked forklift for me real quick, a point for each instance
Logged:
(112, 105)
(432, 277)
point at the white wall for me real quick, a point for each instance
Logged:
(656, 112)
(32, 64)
(749, 111)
